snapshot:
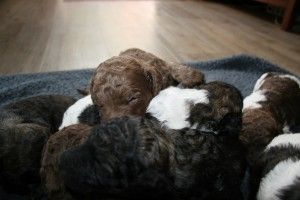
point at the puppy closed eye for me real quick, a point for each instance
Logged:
(133, 98)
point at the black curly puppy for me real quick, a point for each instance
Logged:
(134, 158)
(24, 128)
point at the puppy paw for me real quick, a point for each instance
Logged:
(187, 76)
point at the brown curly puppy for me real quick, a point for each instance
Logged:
(125, 84)
(62, 140)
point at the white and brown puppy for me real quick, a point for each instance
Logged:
(269, 111)
(82, 111)
(213, 107)
(272, 108)
(281, 169)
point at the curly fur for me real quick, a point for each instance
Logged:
(125, 84)
(213, 107)
(279, 107)
(90, 116)
(24, 129)
(264, 117)
(223, 114)
(65, 139)
(279, 166)
(133, 158)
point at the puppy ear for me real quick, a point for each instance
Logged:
(155, 80)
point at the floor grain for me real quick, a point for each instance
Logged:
(43, 35)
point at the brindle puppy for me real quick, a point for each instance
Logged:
(137, 158)
(24, 129)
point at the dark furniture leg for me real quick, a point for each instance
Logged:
(289, 15)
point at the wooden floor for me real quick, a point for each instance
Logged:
(50, 35)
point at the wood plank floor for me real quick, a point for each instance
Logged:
(50, 35)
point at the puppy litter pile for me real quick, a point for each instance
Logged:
(150, 129)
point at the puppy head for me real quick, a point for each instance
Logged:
(124, 86)
(173, 72)
(111, 162)
(172, 106)
(282, 94)
(223, 114)
(276, 81)
(100, 161)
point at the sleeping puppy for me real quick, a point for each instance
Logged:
(82, 111)
(24, 129)
(273, 106)
(269, 111)
(282, 92)
(125, 84)
(213, 107)
(280, 162)
(137, 158)
(59, 142)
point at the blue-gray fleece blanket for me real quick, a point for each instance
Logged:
(242, 71)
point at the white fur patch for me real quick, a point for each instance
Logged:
(72, 113)
(284, 140)
(291, 77)
(283, 175)
(260, 81)
(172, 106)
(252, 101)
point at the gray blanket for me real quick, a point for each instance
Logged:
(242, 71)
